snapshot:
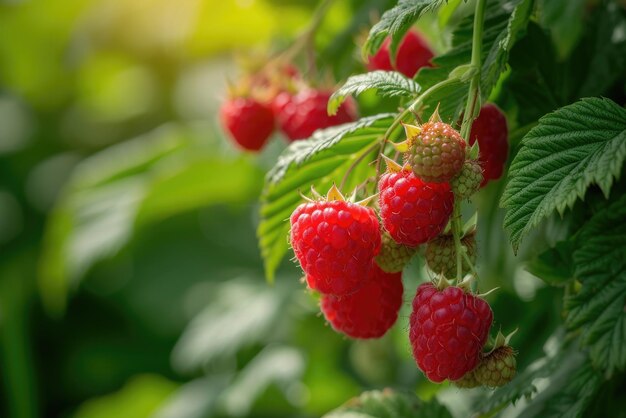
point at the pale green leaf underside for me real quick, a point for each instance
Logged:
(319, 161)
(599, 306)
(569, 150)
(387, 84)
(389, 404)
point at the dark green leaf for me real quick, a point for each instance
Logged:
(396, 22)
(570, 149)
(555, 265)
(571, 389)
(387, 84)
(319, 161)
(389, 404)
(503, 25)
(599, 306)
(540, 82)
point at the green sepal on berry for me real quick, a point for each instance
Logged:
(393, 256)
(498, 367)
(468, 181)
(441, 254)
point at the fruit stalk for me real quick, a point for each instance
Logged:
(468, 117)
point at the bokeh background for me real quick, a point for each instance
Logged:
(131, 284)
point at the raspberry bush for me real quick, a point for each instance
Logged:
(507, 103)
(415, 178)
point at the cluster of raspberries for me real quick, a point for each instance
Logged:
(355, 261)
(277, 98)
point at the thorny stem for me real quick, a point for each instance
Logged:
(468, 117)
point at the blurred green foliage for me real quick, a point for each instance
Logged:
(131, 284)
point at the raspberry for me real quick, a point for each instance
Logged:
(441, 254)
(300, 115)
(436, 151)
(468, 181)
(468, 381)
(413, 211)
(335, 242)
(491, 130)
(370, 311)
(413, 54)
(249, 122)
(496, 368)
(393, 256)
(448, 329)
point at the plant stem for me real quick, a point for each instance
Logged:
(474, 89)
(468, 118)
(356, 162)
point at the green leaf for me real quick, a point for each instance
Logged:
(389, 404)
(564, 18)
(555, 265)
(137, 182)
(250, 312)
(569, 150)
(568, 380)
(572, 387)
(396, 21)
(599, 306)
(388, 84)
(522, 386)
(540, 82)
(319, 161)
(502, 27)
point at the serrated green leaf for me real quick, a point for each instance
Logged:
(396, 21)
(387, 84)
(569, 150)
(389, 404)
(599, 306)
(504, 22)
(571, 384)
(319, 161)
(572, 387)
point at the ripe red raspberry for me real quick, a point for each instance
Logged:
(413, 54)
(370, 311)
(436, 151)
(448, 329)
(468, 181)
(441, 254)
(335, 242)
(248, 122)
(491, 130)
(393, 256)
(413, 211)
(300, 115)
(496, 368)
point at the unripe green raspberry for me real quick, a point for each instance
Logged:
(436, 154)
(441, 254)
(467, 382)
(496, 368)
(468, 181)
(393, 256)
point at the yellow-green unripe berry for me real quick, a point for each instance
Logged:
(393, 256)
(496, 368)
